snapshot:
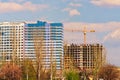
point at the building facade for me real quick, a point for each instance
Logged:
(20, 40)
(73, 56)
(89, 56)
(11, 40)
(46, 38)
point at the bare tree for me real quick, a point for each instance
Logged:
(28, 71)
(108, 72)
(38, 52)
(41, 72)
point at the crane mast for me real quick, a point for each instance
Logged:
(84, 31)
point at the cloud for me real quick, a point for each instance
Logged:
(66, 9)
(75, 4)
(72, 12)
(110, 3)
(99, 27)
(113, 35)
(113, 38)
(71, 0)
(15, 7)
(16, 0)
(101, 30)
(75, 29)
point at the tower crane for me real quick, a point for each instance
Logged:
(84, 31)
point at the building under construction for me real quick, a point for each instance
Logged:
(82, 56)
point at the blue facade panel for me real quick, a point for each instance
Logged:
(38, 24)
(52, 34)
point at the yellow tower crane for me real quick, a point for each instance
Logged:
(84, 31)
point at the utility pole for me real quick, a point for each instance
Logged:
(51, 61)
(2, 55)
(13, 40)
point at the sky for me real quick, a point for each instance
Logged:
(103, 16)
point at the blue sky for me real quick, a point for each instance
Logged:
(59, 10)
(101, 15)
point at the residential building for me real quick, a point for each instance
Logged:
(20, 40)
(51, 37)
(11, 40)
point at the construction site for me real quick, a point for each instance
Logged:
(84, 56)
(89, 56)
(20, 42)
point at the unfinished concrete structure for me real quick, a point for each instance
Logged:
(89, 56)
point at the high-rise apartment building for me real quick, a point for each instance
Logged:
(11, 40)
(45, 36)
(82, 56)
(23, 40)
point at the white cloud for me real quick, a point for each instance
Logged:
(72, 12)
(71, 0)
(77, 36)
(75, 4)
(21, 0)
(113, 36)
(15, 7)
(16, 0)
(66, 9)
(101, 30)
(110, 3)
(99, 27)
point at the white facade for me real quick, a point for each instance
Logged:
(18, 40)
(11, 40)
